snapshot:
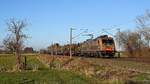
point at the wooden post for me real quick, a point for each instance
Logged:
(25, 62)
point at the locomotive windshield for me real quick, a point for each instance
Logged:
(108, 41)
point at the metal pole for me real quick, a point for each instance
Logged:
(71, 42)
(119, 42)
(52, 49)
(71, 38)
(25, 62)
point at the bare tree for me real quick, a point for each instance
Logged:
(16, 38)
(143, 24)
(131, 42)
(7, 42)
(137, 43)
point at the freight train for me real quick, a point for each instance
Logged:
(102, 46)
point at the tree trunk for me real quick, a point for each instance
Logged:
(18, 59)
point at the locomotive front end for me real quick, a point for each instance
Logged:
(108, 47)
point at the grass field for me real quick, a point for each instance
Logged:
(44, 77)
(45, 69)
(7, 62)
(37, 73)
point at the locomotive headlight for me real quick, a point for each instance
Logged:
(109, 49)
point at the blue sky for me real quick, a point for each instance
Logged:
(50, 20)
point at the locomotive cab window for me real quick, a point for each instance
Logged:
(108, 41)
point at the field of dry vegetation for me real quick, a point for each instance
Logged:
(116, 70)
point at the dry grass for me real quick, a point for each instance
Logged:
(105, 70)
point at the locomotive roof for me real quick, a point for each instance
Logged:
(99, 37)
(103, 37)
